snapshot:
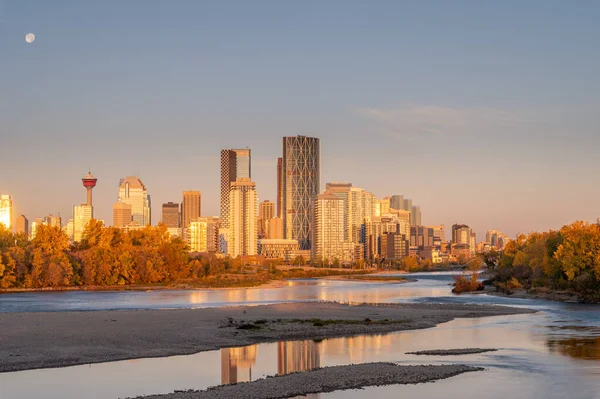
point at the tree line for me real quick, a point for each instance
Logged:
(106, 256)
(567, 259)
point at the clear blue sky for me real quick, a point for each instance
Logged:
(482, 112)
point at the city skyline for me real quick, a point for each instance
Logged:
(478, 134)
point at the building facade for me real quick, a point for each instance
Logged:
(330, 244)
(275, 229)
(121, 214)
(82, 214)
(6, 213)
(22, 225)
(197, 235)
(301, 185)
(243, 216)
(279, 187)
(170, 215)
(191, 207)
(235, 164)
(266, 212)
(277, 248)
(132, 191)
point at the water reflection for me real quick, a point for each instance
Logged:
(297, 356)
(236, 364)
(578, 348)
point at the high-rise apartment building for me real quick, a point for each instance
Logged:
(394, 246)
(235, 164)
(6, 215)
(212, 233)
(133, 192)
(22, 225)
(170, 215)
(382, 206)
(191, 207)
(82, 214)
(279, 187)
(438, 235)
(461, 234)
(359, 204)
(121, 214)
(243, 215)
(301, 185)
(375, 227)
(421, 237)
(266, 212)
(329, 228)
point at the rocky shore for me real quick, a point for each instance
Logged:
(57, 339)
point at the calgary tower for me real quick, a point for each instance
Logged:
(89, 182)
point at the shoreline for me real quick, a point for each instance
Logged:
(541, 295)
(60, 339)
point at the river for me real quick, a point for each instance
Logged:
(554, 353)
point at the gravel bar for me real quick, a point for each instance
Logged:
(323, 380)
(452, 352)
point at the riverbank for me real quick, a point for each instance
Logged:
(58, 339)
(327, 379)
(545, 294)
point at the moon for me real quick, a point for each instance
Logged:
(29, 38)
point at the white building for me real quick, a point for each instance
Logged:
(243, 218)
(82, 214)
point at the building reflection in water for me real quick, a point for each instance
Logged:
(297, 356)
(586, 348)
(236, 364)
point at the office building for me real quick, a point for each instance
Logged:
(235, 164)
(415, 215)
(279, 187)
(438, 235)
(132, 191)
(170, 215)
(82, 214)
(191, 207)
(394, 246)
(382, 206)
(277, 248)
(22, 225)
(121, 214)
(243, 215)
(197, 235)
(301, 185)
(461, 234)
(421, 237)
(275, 229)
(375, 227)
(397, 202)
(6, 215)
(266, 212)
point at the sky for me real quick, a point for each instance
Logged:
(483, 112)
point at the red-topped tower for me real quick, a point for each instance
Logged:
(89, 182)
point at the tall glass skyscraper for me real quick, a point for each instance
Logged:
(301, 185)
(133, 192)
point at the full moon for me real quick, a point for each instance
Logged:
(29, 38)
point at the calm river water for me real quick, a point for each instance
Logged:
(554, 353)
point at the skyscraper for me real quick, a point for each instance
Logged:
(89, 182)
(191, 207)
(235, 164)
(121, 214)
(82, 214)
(54, 221)
(6, 211)
(397, 202)
(329, 226)
(170, 215)
(266, 212)
(415, 215)
(279, 187)
(22, 225)
(243, 215)
(197, 235)
(132, 191)
(301, 185)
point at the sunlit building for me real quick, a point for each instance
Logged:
(277, 249)
(22, 225)
(243, 217)
(279, 187)
(301, 185)
(330, 244)
(416, 215)
(6, 215)
(438, 235)
(53, 221)
(375, 227)
(495, 239)
(421, 237)
(382, 206)
(275, 229)
(69, 229)
(132, 191)
(121, 214)
(213, 224)
(82, 214)
(394, 246)
(235, 164)
(191, 207)
(266, 212)
(197, 235)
